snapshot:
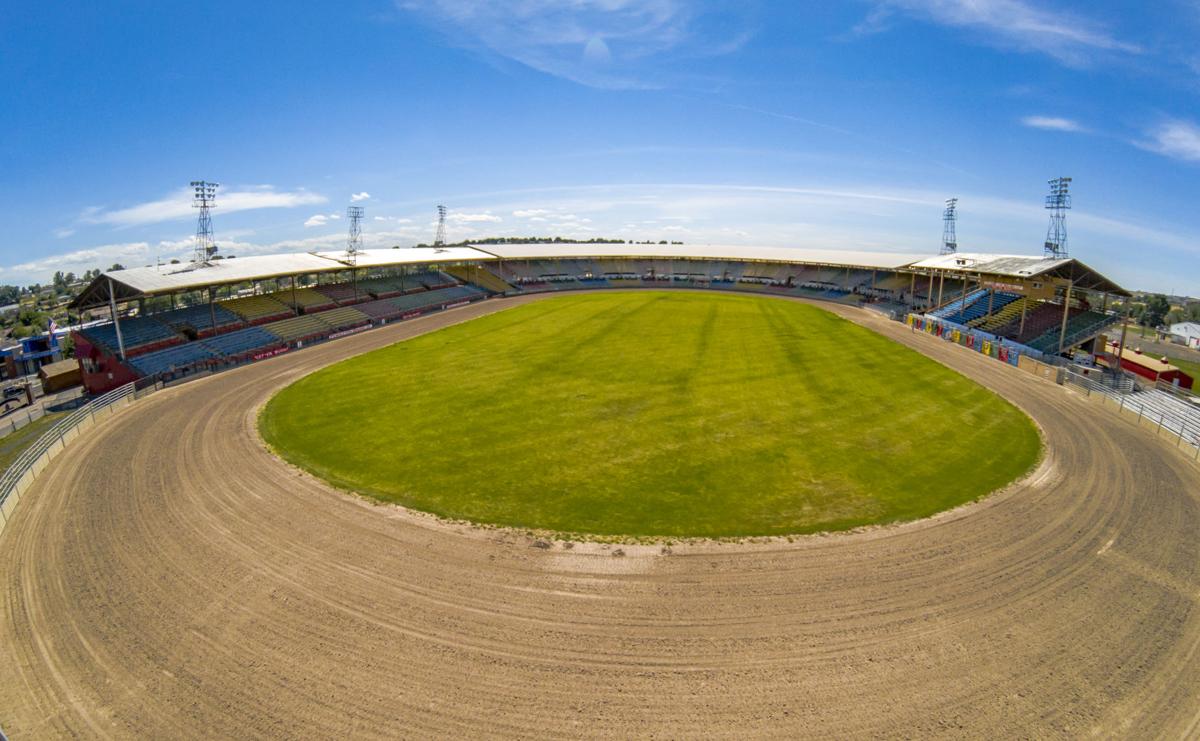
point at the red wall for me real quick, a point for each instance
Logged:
(101, 370)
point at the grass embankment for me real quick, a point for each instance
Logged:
(13, 444)
(655, 414)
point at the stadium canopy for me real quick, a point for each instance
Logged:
(833, 258)
(130, 284)
(155, 280)
(1023, 267)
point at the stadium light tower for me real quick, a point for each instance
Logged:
(205, 199)
(439, 239)
(949, 218)
(1058, 203)
(354, 240)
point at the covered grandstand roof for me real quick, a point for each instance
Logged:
(840, 258)
(1022, 266)
(152, 280)
(134, 283)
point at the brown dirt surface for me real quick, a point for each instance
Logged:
(170, 577)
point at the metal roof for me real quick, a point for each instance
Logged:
(152, 280)
(840, 258)
(133, 283)
(1021, 266)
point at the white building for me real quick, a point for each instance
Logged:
(1186, 332)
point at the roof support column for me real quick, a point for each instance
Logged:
(112, 307)
(295, 304)
(1024, 307)
(912, 291)
(941, 285)
(1062, 333)
(212, 310)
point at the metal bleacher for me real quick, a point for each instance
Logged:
(138, 333)
(239, 342)
(179, 356)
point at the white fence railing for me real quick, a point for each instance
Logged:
(34, 459)
(1169, 415)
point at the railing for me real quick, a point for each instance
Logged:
(33, 460)
(1182, 423)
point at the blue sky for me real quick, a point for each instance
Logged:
(842, 125)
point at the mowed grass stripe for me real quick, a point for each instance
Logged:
(655, 414)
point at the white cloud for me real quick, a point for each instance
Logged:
(64, 232)
(464, 218)
(360, 197)
(1065, 36)
(178, 205)
(601, 43)
(527, 213)
(1052, 123)
(1174, 138)
(321, 219)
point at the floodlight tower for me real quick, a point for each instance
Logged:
(205, 199)
(1058, 203)
(354, 240)
(949, 218)
(440, 239)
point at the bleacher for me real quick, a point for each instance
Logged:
(140, 334)
(997, 319)
(1079, 325)
(298, 328)
(172, 358)
(979, 309)
(257, 309)
(431, 299)
(239, 342)
(305, 298)
(345, 293)
(481, 277)
(199, 318)
(342, 318)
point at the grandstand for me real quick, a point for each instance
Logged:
(1046, 305)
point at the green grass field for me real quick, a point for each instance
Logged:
(655, 414)
(15, 443)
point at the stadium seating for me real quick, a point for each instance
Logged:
(257, 309)
(1079, 325)
(298, 328)
(343, 317)
(999, 318)
(239, 342)
(199, 318)
(172, 358)
(304, 298)
(481, 277)
(344, 294)
(140, 334)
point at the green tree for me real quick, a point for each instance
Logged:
(1156, 310)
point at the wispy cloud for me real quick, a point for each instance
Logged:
(599, 43)
(360, 197)
(1018, 24)
(178, 205)
(1053, 123)
(1174, 138)
(467, 218)
(321, 219)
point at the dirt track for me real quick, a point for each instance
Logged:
(170, 578)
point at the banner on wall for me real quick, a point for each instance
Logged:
(987, 348)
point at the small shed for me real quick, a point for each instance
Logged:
(61, 375)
